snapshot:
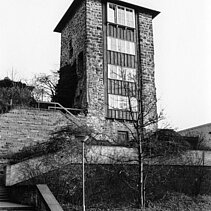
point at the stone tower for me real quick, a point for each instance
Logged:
(106, 52)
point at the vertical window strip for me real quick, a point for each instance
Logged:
(111, 13)
(130, 18)
(120, 15)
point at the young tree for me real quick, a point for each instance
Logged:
(141, 104)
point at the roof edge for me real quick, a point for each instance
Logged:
(146, 10)
(72, 9)
(195, 127)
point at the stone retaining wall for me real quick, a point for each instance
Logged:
(24, 127)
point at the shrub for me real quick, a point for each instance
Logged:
(59, 140)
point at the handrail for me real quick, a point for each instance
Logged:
(48, 199)
(72, 109)
(66, 109)
(60, 107)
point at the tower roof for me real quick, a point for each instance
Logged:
(71, 11)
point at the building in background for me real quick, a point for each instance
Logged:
(203, 132)
(107, 62)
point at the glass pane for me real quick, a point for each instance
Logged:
(132, 48)
(120, 73)
(130, 74)
(123, 102)
(112, 72)
(130, 19)
(112, 44)
(127, 47)
(111, 13)
(134, 104)
(121, 15)
(109, 43)
(121, 46)
(113, 101)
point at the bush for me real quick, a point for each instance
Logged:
(59, 140)
(19, 96)
(4, 107)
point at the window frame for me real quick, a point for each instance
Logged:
(124, 75)
(123, 134)
(121, 46)
(116, 15)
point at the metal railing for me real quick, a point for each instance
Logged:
(70, 116)
(46, 200)
(58, 106)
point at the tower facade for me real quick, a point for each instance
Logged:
(107, 62)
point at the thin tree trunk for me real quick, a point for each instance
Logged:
(141, 177)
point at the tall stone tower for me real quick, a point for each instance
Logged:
(107, 58)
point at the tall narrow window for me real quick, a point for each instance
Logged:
(112, 44)
(121, 15)
(130, 47)
(112, 72)
(80, 63)
(130, 74)
(70, 49)
(130, 18)
(123, 103)
(111, 13)
(134, 104)
(113, 101)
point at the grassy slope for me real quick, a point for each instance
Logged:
(181, 202)
(172, 202)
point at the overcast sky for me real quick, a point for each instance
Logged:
(182, 40)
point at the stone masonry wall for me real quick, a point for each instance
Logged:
(23, 127)
(75, 31)
(146, 59)
(94, 56)
(73, 41)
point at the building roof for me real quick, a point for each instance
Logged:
(71, 11)
(196, 127)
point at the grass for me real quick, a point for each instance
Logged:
(171, 202)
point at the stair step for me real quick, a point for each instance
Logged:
(13, 206)
(3, 196)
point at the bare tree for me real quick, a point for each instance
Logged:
(141, 104)
(45, 86)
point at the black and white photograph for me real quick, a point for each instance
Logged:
(105, 105)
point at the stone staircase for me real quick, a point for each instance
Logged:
(4, 196)
(6, 203)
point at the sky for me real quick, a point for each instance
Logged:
(182, 42)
